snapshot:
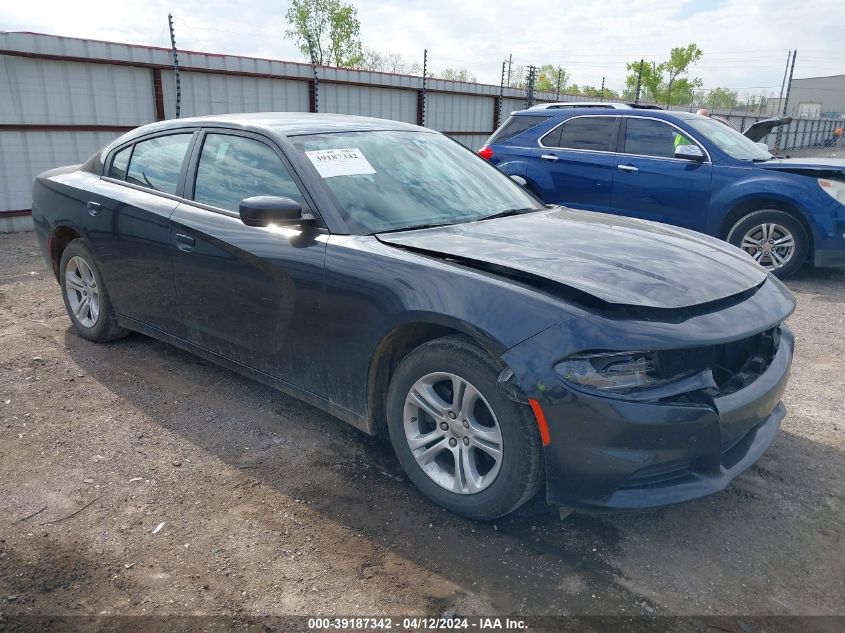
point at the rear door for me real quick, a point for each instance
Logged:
(248, 293)
(574, 164)
(130, 209)
(652, 184)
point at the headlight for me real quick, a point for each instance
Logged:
(834, 188)
(615, 371)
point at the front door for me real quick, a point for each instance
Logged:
(652, 184)
(248, 293)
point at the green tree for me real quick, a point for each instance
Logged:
(331, 27)
(592, 91)
(665, 82)
(547, 78)
(456, 74)
(721, 99)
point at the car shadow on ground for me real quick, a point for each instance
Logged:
(530, 562)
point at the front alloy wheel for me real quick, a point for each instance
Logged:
(775, 239)
(465, 444)
(770, 245)
(453, 433)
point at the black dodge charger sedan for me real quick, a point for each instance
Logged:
(389, 276)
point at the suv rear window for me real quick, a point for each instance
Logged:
(515, 125)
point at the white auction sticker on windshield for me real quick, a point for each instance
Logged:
(340, 162)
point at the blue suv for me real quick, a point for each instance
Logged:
(682, 169)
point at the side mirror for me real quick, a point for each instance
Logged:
(519, 180)
(266, 210)
(689, 152)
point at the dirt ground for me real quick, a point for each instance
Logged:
(268, 506)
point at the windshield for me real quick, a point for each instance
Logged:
(390, 180)
(729, 140)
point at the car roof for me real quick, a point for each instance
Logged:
(285, 123)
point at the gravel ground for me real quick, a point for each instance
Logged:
(267, 506)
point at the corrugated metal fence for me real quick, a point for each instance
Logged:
(63, 98)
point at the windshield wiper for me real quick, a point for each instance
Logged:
(414, 227)
(507, 213)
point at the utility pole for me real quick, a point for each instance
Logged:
(510, 64)
(783, 82)
(639, 82)
(601, 97)
(785, 98)
(559, 71)
(501, 96)
(175, 65)
(789, 83)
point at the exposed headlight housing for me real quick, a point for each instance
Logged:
(614, 371)
(834, 188)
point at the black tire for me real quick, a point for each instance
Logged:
(781, 218)
(105, 328)
(521, 469)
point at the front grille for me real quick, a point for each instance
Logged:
(734, 365)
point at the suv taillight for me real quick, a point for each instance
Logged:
(486, 153)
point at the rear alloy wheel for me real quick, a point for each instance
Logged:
(86, 300)
(774, 239)
(462, 442)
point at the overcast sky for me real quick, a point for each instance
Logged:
(745, 42)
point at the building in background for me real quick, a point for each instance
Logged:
(817, 97)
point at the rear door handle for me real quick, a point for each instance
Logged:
(629, 168)
(185, 242)
(550, 157)
(93, 207)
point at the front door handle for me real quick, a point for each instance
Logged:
(550, 157)
(628, 168)
(185, 242)
(93, 207)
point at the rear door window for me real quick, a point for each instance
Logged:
(119, 163)
(157, 162)
(594, 133)
(232, 168)
(514, 126)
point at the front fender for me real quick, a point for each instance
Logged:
(798, 192)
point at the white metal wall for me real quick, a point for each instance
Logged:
(47, 92)
(24, 155)
(208, 93)
(384, 103)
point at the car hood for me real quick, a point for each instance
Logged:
(617, 260)
(799, 165)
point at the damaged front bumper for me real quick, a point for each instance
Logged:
(610, 453)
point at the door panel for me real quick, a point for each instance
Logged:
(250, 294)
(581, 180)
(575, 164)
(671, 191)
(651, 184)
(130, 237)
